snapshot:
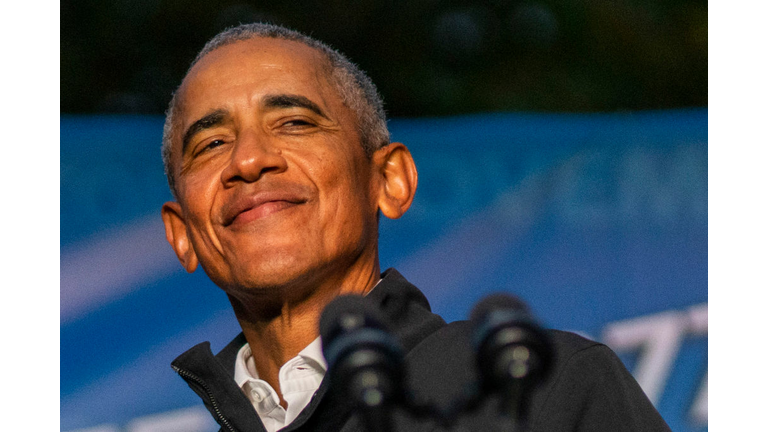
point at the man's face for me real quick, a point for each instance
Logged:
(274, 187)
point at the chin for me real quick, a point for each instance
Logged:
(271, 276)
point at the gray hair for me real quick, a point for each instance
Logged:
(356, 89)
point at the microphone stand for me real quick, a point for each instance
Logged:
(372, 390)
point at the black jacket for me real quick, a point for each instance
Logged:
(588, 390)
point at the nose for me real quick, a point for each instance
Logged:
(253, 156)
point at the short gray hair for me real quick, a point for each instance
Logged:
(356, 89)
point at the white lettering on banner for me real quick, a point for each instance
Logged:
(666, 187)
(601, 186)
(658, 338)
(699, 326)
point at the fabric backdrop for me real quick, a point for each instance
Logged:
(597, 221)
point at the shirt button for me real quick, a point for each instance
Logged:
(258, 394)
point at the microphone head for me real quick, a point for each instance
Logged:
(364, 359)
(495, 302)
(509, 343)
(346, 314)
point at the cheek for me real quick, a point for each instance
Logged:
(198, 195)
(348, 201)
(339, 181)
(199, 188)
(197, 211)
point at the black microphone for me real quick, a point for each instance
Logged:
(364, 360)
(514, 353)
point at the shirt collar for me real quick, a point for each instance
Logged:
(245, 368)
(244, 373)
(313, 354)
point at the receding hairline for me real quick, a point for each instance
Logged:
(324, 65)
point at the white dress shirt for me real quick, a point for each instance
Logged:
(299, 378)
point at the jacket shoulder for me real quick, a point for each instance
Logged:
(588, 389)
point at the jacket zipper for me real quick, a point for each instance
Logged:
(186, 374)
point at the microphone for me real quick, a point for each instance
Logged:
(364, 360)
(513, 352)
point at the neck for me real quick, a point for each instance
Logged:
(279, 333)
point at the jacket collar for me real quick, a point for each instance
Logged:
(211, 377)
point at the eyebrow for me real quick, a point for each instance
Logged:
(218, 117)
(212, 119)
(292, 101)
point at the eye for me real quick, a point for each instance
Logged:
(209, 146)
(213, 144)
(297, 123)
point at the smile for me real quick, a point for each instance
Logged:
(259, 206)
(262, 211)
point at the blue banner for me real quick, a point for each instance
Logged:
(597, 221)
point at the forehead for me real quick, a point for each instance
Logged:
(243, 71)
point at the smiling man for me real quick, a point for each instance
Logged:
(277, 153)
(279, 184)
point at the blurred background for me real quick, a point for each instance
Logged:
(427, 57)
(562, 152)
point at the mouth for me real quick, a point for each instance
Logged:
(260, 206)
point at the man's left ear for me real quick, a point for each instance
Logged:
(398, 178)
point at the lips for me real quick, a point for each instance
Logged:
(244, 209)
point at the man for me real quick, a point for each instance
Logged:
(277, 152)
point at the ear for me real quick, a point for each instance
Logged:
(176, 234)
(398, 179)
